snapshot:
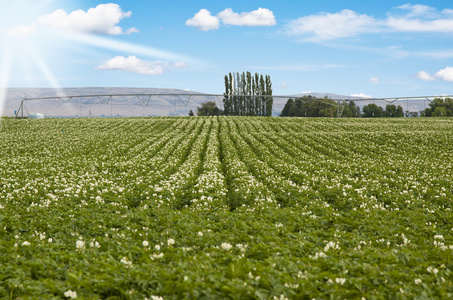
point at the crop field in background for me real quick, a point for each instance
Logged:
(226, 207)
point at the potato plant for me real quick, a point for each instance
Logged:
(226, 208)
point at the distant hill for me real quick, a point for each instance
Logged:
(131, 106)
(328, 95)
(118, 106)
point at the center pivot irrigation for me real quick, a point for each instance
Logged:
(185, 99)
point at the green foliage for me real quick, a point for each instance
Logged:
(440, 107)
(399, 112)
(439, 111)
(290, 109)
(393, 111)
(351, 110)
(372, 111)
(208, 108)
(226, 207)
(309, 106)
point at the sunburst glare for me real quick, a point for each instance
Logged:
(37, 43)
(5, 70)
(22, 46)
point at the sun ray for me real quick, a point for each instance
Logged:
(47, 72)
(5, 73)
(31, 43)
(111, 44)
(17, 31)
(44, 68)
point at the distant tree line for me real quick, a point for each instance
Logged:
(247, 95)
(309, 106)
(439, 107)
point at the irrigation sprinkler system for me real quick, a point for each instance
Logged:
(184, 100)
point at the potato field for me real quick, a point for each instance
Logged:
(226, 208)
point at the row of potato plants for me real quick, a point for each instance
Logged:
(226, 207)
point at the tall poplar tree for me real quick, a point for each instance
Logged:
(262, 93)
(269, 100)
(257, 92)
(247, 95)
(227, 97)
(248, 92)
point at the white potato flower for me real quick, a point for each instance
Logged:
(226, 246)
(80, 244)
(70, 294)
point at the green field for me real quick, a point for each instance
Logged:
(226, 207)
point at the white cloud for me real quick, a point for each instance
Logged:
(136, 65)
(425, 76)
(328, 26)
(19, 32)
(284, 85)
(393, 52)
(442, 54)
(132, 64)
(296, 67)
(203, 20)
(447, 11)
(347, 23)
(418, 25)
(361, 95)
(132, 30)
(102, 19)
(259, 17)
(418, 10)
(374, 80)
(421, 18)
(445, 74)
(180, 65)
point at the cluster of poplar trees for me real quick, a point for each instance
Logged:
(247, 95)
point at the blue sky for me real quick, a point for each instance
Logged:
(369, 48)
